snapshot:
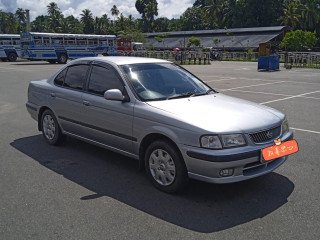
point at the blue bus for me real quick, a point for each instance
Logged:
(9, 47)
(59, 47)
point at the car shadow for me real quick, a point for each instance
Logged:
(201, 207)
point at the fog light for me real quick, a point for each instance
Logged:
(226, 172)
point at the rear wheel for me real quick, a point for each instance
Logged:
(62, 59)
(165, 167)
(50, 128)
(12, 57)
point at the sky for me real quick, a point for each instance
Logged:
(166, 8)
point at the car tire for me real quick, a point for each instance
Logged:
(63, 58)
(12, 57)
(50, 128)
(165, 167)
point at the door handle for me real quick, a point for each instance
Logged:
(86, 103)
(52, 94)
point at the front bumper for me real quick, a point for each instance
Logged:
(206, 164)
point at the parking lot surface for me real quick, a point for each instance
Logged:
(79, 191)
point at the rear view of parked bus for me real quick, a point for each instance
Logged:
(9, 47)
(56, 47)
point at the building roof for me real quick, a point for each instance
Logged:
(219, 38)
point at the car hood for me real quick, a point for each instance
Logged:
(219, 113)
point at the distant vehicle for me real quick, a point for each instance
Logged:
(126, 45)
(9, 47)
(138, 46)
(57, 47)
(154, 111)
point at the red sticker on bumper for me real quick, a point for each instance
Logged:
(280, 149)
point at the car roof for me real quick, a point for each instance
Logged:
(123, 60)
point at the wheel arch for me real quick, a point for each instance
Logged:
(41, 111)
(148, 139)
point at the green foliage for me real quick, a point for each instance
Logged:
(194, 41)
(299, 40)
(204, 14)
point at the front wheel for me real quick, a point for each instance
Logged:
(165, 167)
(50, 128)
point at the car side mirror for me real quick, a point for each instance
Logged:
(114, 94)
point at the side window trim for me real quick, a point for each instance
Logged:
(64, 77)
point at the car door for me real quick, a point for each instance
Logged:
(106, 121)
(66, 99)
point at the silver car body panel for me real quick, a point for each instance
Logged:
(122, 126)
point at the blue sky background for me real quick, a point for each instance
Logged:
(166, 8)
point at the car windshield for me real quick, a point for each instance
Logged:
(163, 81)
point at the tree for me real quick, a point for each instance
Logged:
(161, 24)
(290, 14)
(217, 13)
(299, 40)
(87, 20)
(8, 22)
(161, 38)
(21, 18)
(310, 14)
(193, 19)
(194, 41)
(148, 10)
(114, 11)
(52, 8)
(71, 25)
(102, 25)
(40, 24)
(55, 22)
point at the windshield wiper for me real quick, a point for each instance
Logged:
(182, 95)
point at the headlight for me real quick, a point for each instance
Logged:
(285, 126)
(233, 140)
(210, 142)
(230, 140)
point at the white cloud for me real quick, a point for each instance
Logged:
(166, 8)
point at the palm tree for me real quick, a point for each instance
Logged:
(40, 24)
(10, 23)
(310, 14)
(122, 22)
(52, 8)
(114, 11)
(21, 16)
(217, 12)
(87, 20)
(290, 14)
(55, 21)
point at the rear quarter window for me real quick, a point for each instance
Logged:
(76, 77)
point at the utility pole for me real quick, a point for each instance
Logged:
(28, 20)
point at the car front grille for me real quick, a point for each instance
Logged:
(266, 135)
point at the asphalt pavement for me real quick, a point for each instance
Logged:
(80, 191)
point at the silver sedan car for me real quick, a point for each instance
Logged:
(154, 111)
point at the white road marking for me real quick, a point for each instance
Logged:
(281, 99)
(305, 130)
(261, 93)
(251, 86)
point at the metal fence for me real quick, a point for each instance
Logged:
(303, 60)
(190, 57)
(293, 59)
